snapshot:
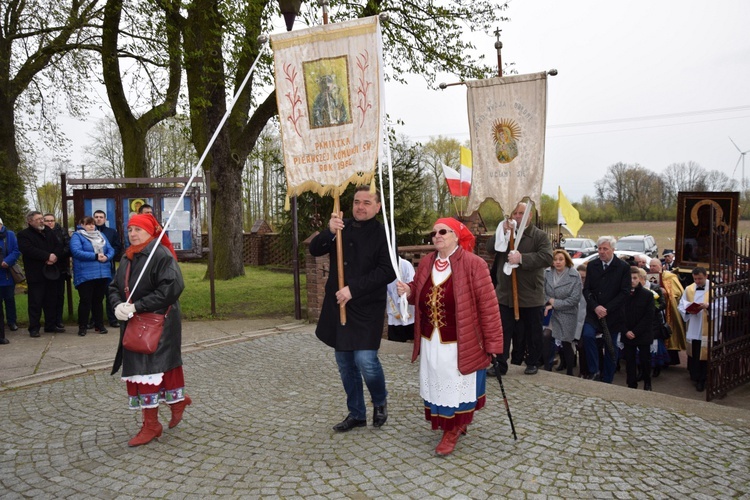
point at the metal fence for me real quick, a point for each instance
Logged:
(729, 346)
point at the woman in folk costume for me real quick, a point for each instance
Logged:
(156, 377)
(456, 330)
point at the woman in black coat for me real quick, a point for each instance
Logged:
(156, 377)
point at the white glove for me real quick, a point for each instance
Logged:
(620, 345)
(124, 311)
(654, 347)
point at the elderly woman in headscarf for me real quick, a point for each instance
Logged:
(92, 272)
(457, 330)
(156, 377)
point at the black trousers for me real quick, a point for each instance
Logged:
(635, 356)
(90, 297)
(42, 297)
(698, 368)
(60, 304)
(526, 335)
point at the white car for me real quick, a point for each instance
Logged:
(618, 253)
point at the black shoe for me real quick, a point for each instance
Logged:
(81, 332)
(700, 386)
(59, 329)
(647, 386)
(348, 424)
(380, 415)
(114, 324)
(531, 370)
(656, 372)
(4, 341)
(90, 325)
(34, 333)
(593, 376)
(59, 325)
(101, 329)
(561, 367)
(13, 327)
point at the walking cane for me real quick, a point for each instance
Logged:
(496, 364)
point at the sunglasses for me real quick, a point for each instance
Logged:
(441, 232)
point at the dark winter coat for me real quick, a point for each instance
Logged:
(159, 288)
(639, 317)
(63, 262)
(609, 288)
(536, 256)
(479, 331)
(36, 247)
(114, 240)
(10, 255)
(367, 272)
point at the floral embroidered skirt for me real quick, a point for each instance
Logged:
(146, 391)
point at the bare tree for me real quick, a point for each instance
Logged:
(437, 152)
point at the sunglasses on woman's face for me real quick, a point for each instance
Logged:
(441, 232)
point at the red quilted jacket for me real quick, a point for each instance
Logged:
(479, 330)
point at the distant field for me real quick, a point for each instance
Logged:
(663, 231)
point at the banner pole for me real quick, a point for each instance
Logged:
(339, 257)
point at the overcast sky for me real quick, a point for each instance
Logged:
(643, 81)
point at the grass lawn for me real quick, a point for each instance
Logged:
(261, 293)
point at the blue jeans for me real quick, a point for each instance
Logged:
(592, 353)
(353, 366)
(8, 296)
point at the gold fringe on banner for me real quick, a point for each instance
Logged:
(287, 207)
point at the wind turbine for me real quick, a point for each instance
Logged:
(740, 159)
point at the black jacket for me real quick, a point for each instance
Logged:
(610, 289)
(63, 238)
(36, 247)
(159, 288)
(367, 272)
(639, 317)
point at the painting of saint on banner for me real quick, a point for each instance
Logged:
(327, 90)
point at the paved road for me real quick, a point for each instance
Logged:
(265, 397)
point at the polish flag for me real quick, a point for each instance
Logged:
(453, 179)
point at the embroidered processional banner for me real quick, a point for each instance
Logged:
(507, 119)
(328, 85)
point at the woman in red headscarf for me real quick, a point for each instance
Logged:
(156, 377)
(456, 330)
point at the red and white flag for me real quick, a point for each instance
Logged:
(453, 179)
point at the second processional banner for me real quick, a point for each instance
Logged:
(328, 85)
(507, 119)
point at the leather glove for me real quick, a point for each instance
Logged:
(124, 311)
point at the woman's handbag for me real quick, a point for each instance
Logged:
(17, 273)
(143, 330)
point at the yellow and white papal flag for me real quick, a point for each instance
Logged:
(328, 91)
(567, 215)
(507, 119)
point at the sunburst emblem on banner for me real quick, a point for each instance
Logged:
(505, 133)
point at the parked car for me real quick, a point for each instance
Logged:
(620, 254)
(641, 243)
(579, 247)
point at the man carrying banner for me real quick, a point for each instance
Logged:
(368, 272)
(532, 255)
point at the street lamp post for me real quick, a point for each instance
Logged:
(290, 10)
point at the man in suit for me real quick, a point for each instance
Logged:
(41, 251)
(606, 289)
